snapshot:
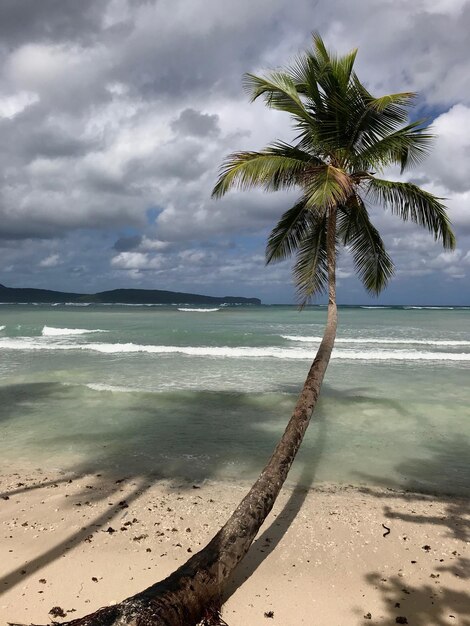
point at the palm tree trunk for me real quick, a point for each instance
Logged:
(189, 594)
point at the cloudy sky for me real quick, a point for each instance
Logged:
(116, 114)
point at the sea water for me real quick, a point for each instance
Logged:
(196, 393)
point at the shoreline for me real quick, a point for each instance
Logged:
(321, 557)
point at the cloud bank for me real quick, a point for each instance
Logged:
(116, 114)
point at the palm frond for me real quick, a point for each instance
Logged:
(343, 68)
(326, 186)
(344, 134)
(305, 71)
(279, 92)
(278, 166)
(412, 203)
(371, 260)
(286, 236)
(311, 267)
(393, 104)
(320, 51)
(374, 118)
(407, 146)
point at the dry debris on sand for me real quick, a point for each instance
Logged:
(73, 543)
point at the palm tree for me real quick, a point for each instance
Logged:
(345, 135)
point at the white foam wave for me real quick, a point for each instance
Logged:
(51, 331)
(131, 304)
(111, 388)
(197, 310)
(430, 308)
(384, 341)
(2, 327)
(232, 352)
(375, 307)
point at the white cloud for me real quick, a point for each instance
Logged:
(50, 261)
(449, 162)
(13, 104)
(136, 261)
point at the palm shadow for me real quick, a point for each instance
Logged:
(423, 605)
(20, 399)
(435, 602)
(162, 440)
(30, 567)
(268, 541)
(447, 469)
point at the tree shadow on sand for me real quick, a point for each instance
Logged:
(445, 472)
(190, 437)
(30, 567)
(268, 541)
(433, 603)
(182, 438)
(425, 605)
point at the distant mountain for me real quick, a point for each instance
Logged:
(116, 296)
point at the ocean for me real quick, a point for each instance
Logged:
(192, 393)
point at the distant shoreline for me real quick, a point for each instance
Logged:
(116, 296)
(237, 303)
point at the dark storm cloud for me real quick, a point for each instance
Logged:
(22, 21)
(194, 123)
(174, 55)
(124, 244)
(29, 136)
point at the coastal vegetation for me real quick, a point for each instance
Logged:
(344, 137)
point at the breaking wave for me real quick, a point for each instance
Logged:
(110, 388)
(197, 310)
(29, 344)
(384, 341)
(51, 331)
(429, 308)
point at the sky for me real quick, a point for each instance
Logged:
(115, 116)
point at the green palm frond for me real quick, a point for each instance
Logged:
(327, 186)
(412, 203)
(393, 104)
(279, 92)
(286, 236)
(344, 134)
(375, 118)
(407, 146)
(320, 51)
(333, 69)
(304, 72)
(278, 166)
(311, 267)
(371, 260)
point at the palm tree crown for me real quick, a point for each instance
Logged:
(344, 137)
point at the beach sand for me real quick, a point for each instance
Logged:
(321, 558)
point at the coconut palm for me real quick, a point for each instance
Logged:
(344, 137)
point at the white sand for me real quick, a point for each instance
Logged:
(321, 558)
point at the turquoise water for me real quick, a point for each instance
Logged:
(206, 393)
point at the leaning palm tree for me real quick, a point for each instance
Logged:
(344, 137)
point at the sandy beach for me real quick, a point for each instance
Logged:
(324, 556)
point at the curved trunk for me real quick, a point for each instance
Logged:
(191, 595)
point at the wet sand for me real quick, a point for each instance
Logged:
(324, 556)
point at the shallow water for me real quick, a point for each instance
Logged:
(206, 393)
